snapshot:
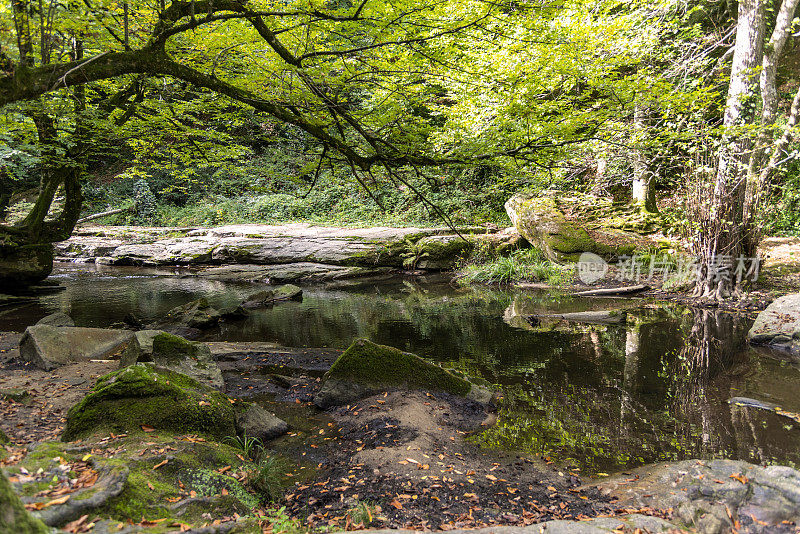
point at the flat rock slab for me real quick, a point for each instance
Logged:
(48, 347)
(708, 495)
(264, 245)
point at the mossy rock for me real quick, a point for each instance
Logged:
(13, 516)
(186, 357)
(143, 394)
(4, 440)
(543, 224)
(366, 367)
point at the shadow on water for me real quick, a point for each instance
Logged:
(601, 397)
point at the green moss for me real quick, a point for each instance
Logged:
(370, 363)
(4, 439)
(139, 395)
(13, 516)
(173, 348)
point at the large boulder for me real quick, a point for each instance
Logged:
(256, 422)
(366, 368)
(714, 496)
(540, 220)
(25, 265)
(48, 347)
(779, 325)
(13, 516)
(149, 396)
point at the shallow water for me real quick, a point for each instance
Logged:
(597, 397)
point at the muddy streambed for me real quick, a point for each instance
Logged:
(597, 397)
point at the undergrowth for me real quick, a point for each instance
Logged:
(526, 265)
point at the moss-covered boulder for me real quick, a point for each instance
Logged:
(13, 516)
(145, 395)
(366, 368)
(177, 482)
(541, 221)
(186, 357)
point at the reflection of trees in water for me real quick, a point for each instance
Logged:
(712, 360)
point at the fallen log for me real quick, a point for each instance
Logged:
(613, 291)
(104, 214)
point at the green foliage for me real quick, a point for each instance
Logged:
(144, 202)
(362, 513)
(527, 265)
(250, 446)
(268, 478)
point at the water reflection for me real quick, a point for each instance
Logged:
(601, 396)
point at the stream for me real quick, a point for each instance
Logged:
(599, 398)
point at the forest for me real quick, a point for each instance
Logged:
(310, 266)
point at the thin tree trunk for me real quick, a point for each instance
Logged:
(643, 193)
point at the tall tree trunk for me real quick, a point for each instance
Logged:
(724, 236)
(644, 193)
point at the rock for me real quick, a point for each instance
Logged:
(760, 498)
(779, 325)
(257, 422)
(15, 394)
(186, 357)
(13, 516)
(49, 347)
(439, 252)
(142, 350)
(197, 314)
(267, 245)
(57, 319)
(542, 223)
(143, 394)
(366, 368)
(25, 265)
(268, 297)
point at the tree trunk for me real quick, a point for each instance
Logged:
(724, 236)
(644, 193)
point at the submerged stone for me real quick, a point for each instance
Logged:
(143, 394)
(366, 367)
(196, 314)
(272, 295)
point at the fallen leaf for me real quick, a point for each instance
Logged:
(148, 428)
(159, 464)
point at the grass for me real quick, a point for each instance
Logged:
(250, 446)
(527, 265)
(268, 478)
